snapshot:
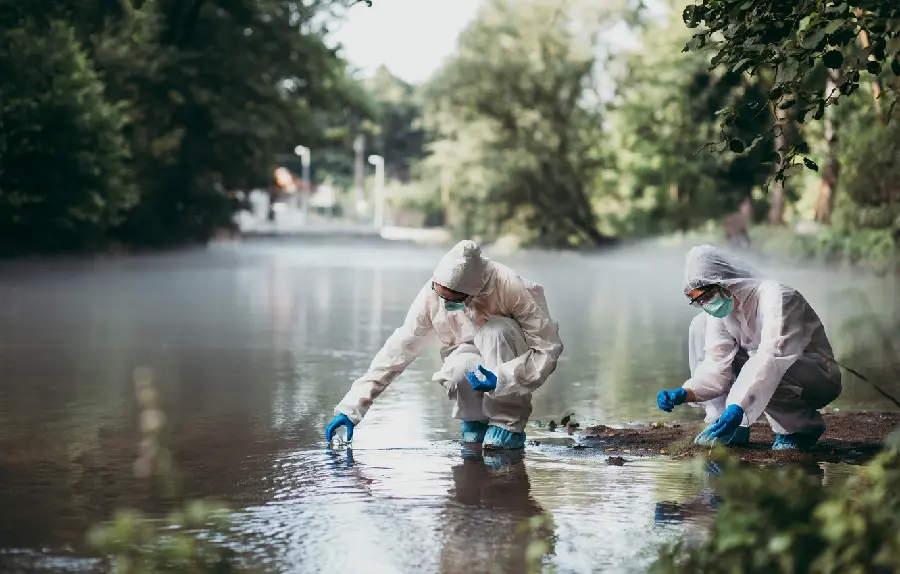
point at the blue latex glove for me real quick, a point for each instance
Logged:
(487, 385)
(668, 400)
(338, 421)
(721, 431)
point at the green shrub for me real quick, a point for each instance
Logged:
(785, 521)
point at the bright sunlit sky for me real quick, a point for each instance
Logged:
(410, 37)
(413, 37)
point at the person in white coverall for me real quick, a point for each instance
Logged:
(499, 344)
(757, 348)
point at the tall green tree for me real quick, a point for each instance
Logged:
(519, 125)
(64, 173)
(788, 39)
(666, 112)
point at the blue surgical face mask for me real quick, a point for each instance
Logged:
(454, 305)
(719, 306)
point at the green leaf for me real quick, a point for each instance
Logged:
(802, 147)
(775, 93)
(813, 40)
(833, 59)
(740, 66)
(873, 68)
(895, 66)
(736, 145)
(810, 164)
(787, 104)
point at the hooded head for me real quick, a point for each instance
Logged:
(462, 269)
(707, 265)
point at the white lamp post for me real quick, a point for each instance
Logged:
(305, 156)
(378, 162)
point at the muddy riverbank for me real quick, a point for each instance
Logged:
(851, 438)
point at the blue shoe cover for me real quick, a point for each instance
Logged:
(740, 436)
(797, 440)
(498, 438)
(473, 431)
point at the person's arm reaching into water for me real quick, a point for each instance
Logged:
(401, 349)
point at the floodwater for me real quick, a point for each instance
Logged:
(252, 344)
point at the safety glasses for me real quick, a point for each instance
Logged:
(447, 299)
(706, 296)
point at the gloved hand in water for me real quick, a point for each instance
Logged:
(338, 421)
(724, 429)
(487, 385)
(668, 400)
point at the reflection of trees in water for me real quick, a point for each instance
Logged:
(486, 516)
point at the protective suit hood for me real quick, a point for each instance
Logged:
(463, 269)
(708, 265)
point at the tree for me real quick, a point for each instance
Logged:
(64, 177)
(665, 112)
(400, 135)
(515, 108)
(231, 84)
(787, 39)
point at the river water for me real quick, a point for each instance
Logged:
(252, 344)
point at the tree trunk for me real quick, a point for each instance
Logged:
(876, 82)
(831, 168)
(776, 191)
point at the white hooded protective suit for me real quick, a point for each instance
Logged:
(773, 340)
(506, 327)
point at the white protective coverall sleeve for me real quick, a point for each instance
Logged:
(528, 307)
(714, 373)
(402, 347)
(784, 336)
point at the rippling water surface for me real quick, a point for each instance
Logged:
(252, 345)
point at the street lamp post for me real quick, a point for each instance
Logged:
(305, 156)
(378, 162)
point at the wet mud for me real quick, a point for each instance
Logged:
(852, 438)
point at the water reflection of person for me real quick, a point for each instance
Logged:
(486, 515)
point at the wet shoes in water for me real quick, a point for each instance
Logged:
(797, 440)
(498, 438)
(473, 431)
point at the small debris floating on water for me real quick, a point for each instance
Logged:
(552, 426)
(615, 461)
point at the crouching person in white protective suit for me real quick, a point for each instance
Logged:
(499, 344)
(757, 348)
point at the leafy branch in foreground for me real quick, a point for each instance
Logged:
(786, 521)
(792, 42)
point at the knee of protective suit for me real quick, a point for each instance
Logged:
(499, 340)
(455, 371)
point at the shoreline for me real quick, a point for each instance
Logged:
(851, 438)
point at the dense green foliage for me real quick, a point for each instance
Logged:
(787, 40)
(784, 520)
(539, 126)
(136, 121)
(64, 171)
